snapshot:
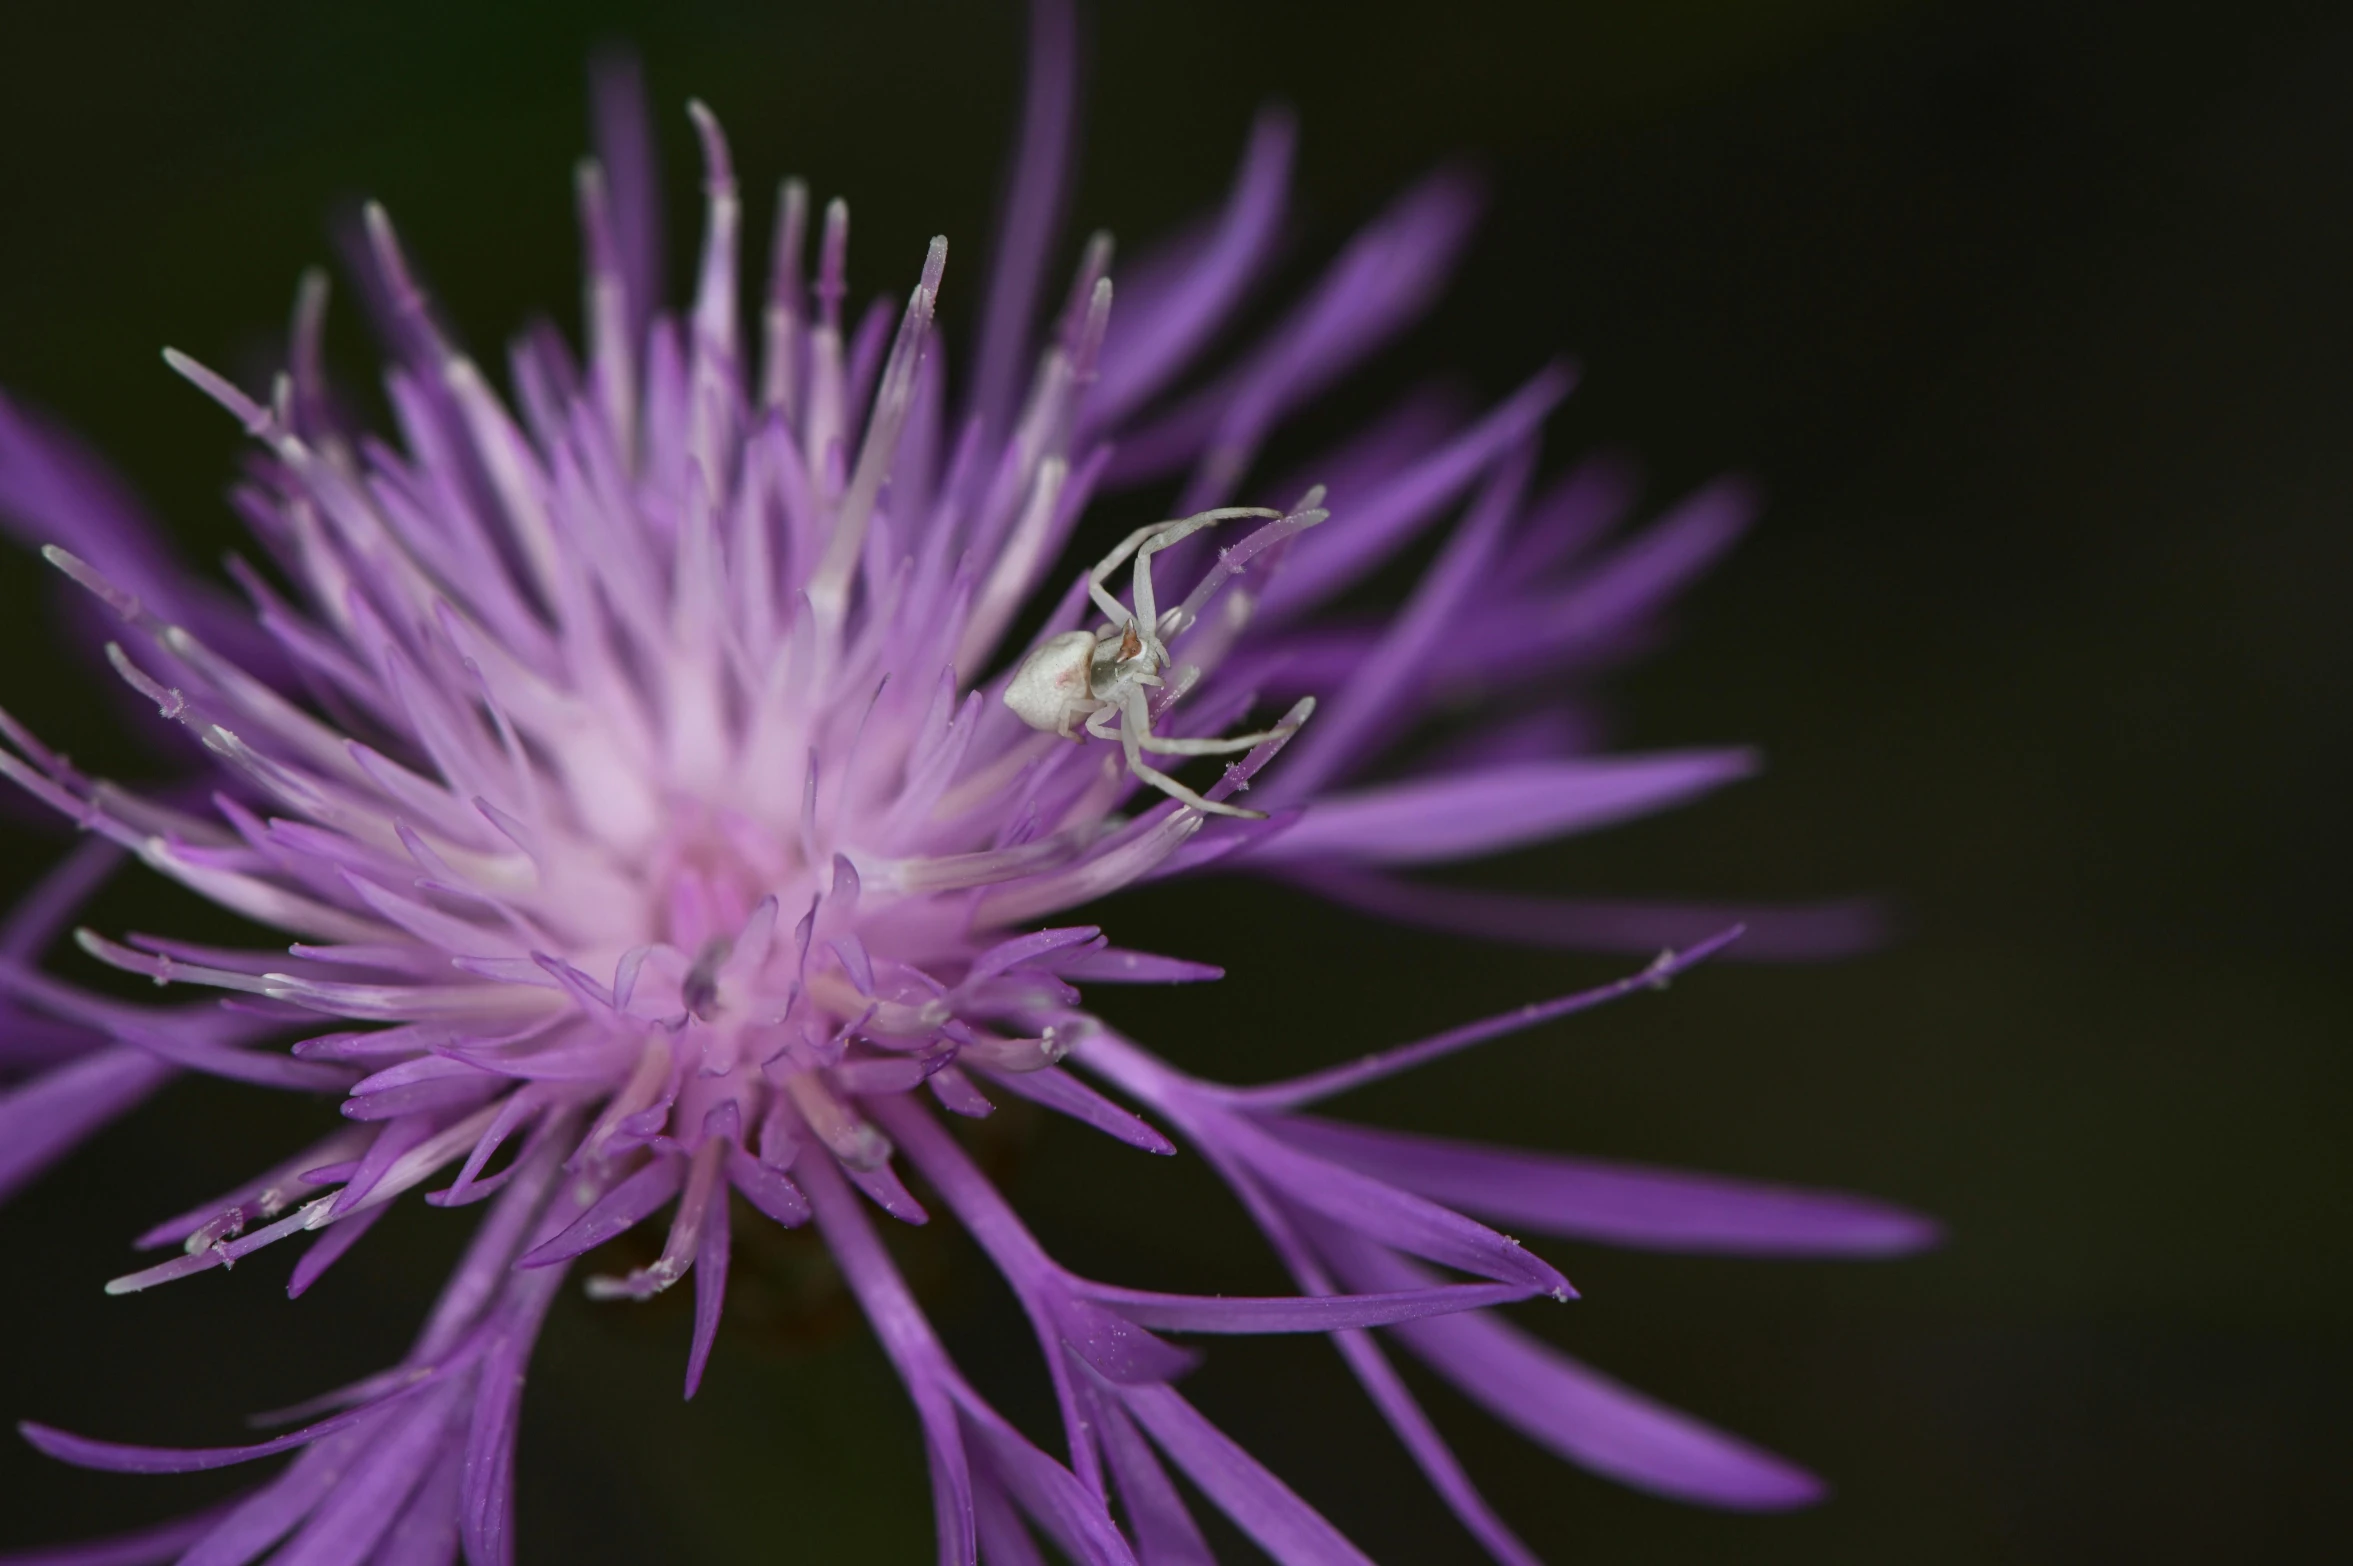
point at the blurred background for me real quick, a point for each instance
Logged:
(2035, 323)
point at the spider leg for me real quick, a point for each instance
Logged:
(1206, 747)
(1135, 730)
(1112, 609)
(1147, 606)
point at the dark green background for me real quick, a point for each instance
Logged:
(2036, 323)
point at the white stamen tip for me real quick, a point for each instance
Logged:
(718, 168)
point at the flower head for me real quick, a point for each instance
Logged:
(659, 809)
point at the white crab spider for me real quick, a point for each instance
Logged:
(1101, 677)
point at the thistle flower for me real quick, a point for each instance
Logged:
(657, 805)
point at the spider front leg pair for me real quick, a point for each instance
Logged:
(1100, 677)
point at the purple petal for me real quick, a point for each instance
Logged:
(1223, 1313)
(1365, 1205)
(710, 1288)
(1261, 1505)
(329, 1248)
(1004, 1537)
(41, 1120)
(1220, 839)
(1118, 1348)
(423, 1098)
(1383, 692)
(1407, 1057)
(1618, 1204)
(1164, 1530)
(1428, 1448)
(1577, 1412)
(1379, 1378)
(1368, 528)
(957, 1095)
(1065, 1094)
(270, 1513)
(1578, 509)
(619, 1210)
(239, 1065)
(384, 1150)
(1368, 456)
(468, 1187)
(166, 1541)
(1047, 1491)
(1064, 1325)
(1028, 948)
(486, 1499)
(1812, 932)
(1643, 573)
(54, 491)
(882, 1187)
(427, 1533)
(1370, 291)
(1153, 337)
(291, 1179)
(1113, 965)
(348, 1524)
(1252, 1158)
(118, 1457)
(1459, 817)
(1123, 857)
(45, 910)
(484, 1272)
(767, 1189)
(1548, 732)
(1041, 169)
(908, 1341)
(632, 167)
(30, 1043)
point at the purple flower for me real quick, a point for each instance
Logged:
(660, 811)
